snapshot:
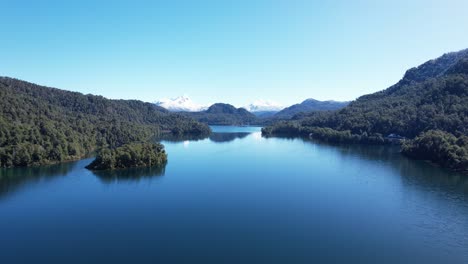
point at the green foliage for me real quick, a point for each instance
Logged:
(131, 155)
(440, 103)
(323, 133)
(439, 147)
(40, 125)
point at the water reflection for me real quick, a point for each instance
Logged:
(412, 172)
(364, 202)
(227, 137)
(179, 138)
(217, 137)
(130, 174)
(13, 179)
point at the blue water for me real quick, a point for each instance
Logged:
(236, 197)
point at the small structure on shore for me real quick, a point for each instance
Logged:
(394, 138)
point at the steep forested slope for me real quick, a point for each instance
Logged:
(431, 97)
(41, 125)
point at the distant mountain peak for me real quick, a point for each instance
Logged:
(310, 100)
(310, 105)
(263, 106)
(224, 114)
(180, 104)
(225, 109)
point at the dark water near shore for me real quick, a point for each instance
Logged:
(236, 197)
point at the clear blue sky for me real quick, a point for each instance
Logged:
(225, 51)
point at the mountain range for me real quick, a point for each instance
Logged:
(223, 114)
(185, 104)
(260, 108)
(428, 108)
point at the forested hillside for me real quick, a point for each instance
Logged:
(431, 97)
(41, 125)
(224, 114)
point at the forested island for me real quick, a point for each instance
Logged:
(41, 125)
(132, 155)
(427, 110)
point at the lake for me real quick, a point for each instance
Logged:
(239, 198)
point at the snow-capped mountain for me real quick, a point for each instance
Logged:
(179, 104)
(264, 106)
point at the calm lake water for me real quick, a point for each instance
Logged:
(239, 198)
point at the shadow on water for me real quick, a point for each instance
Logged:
(179, 138)
(412, 172)
(216, 137)
(227, 137)
(12, 180)
(131, 174)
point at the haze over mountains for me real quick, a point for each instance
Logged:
(260, 108)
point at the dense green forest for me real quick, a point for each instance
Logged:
(41, 125)
(224, 114)
(130, 155)
(440, 147)
(433, 96)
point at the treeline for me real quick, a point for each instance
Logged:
(439, 147)
(433, 96)
(131, 155)
(41, 125)
(327, 134)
